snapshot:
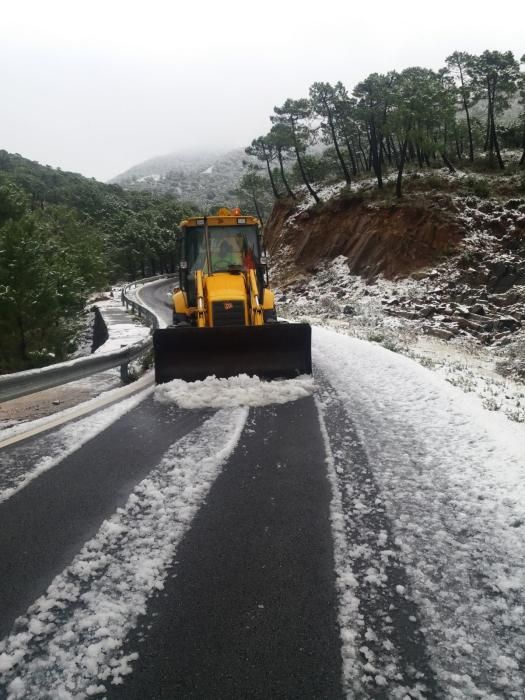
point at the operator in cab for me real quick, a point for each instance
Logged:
(225, 257)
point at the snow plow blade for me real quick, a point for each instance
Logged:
(270, 351)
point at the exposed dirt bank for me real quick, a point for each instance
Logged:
(377, 238)
(446, 265)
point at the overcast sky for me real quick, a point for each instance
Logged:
(96, 86)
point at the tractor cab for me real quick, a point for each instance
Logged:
(225, 243)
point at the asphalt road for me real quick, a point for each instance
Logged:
(45, 524)
(252, 610)
(249, 607)
(157, 296)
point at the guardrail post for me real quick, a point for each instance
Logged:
(124, 373)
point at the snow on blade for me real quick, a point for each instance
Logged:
(241, 390)
(59, 444)
(70, 641)
(453, 484)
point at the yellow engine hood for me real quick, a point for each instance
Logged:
(223, 286)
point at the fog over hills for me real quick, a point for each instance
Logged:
(208, 178)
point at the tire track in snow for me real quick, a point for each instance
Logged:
(249, 609)
(70, 641)
(384, 650)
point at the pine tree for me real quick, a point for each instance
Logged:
(264, 150)
(323, 98)
(457, 64)
(294, 114)
(374, 97)
(495, 77)
(522, 102)
(420, 113)
(282, 139)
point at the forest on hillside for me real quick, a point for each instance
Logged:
(466, 113)
(209, 180)
(63, 236)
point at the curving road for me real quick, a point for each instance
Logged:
(157, 297)
(277, 551)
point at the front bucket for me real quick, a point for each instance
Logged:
(270, 351)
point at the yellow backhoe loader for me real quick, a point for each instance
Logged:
(224, 318)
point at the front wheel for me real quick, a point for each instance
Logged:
(180, 320)
(270, 315)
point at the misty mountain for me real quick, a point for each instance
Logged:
(206, 178)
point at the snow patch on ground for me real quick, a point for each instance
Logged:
(70, 642)
(121, 330)
(336, 299)
(241, 390)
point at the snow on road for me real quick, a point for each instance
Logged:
(241, 390)
(451, 478)
(70, 641)
(51, 448)
(155, 292)
(428, 514)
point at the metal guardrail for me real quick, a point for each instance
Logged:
(19, 384)
(137, 308)
(13, 386)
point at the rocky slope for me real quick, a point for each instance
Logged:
(442, 263)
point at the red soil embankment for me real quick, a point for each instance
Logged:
(392, 239)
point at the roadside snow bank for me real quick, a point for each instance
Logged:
(241, 390)
(69, 644)
(122, 331)
(452, 479)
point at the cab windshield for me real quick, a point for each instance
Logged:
(235, 246)
(195, 249)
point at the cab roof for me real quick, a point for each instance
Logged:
(224, 217)
(220, 221)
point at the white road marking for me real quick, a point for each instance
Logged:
(77, 411)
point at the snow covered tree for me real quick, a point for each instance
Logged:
(13, 201)
(42, 291)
